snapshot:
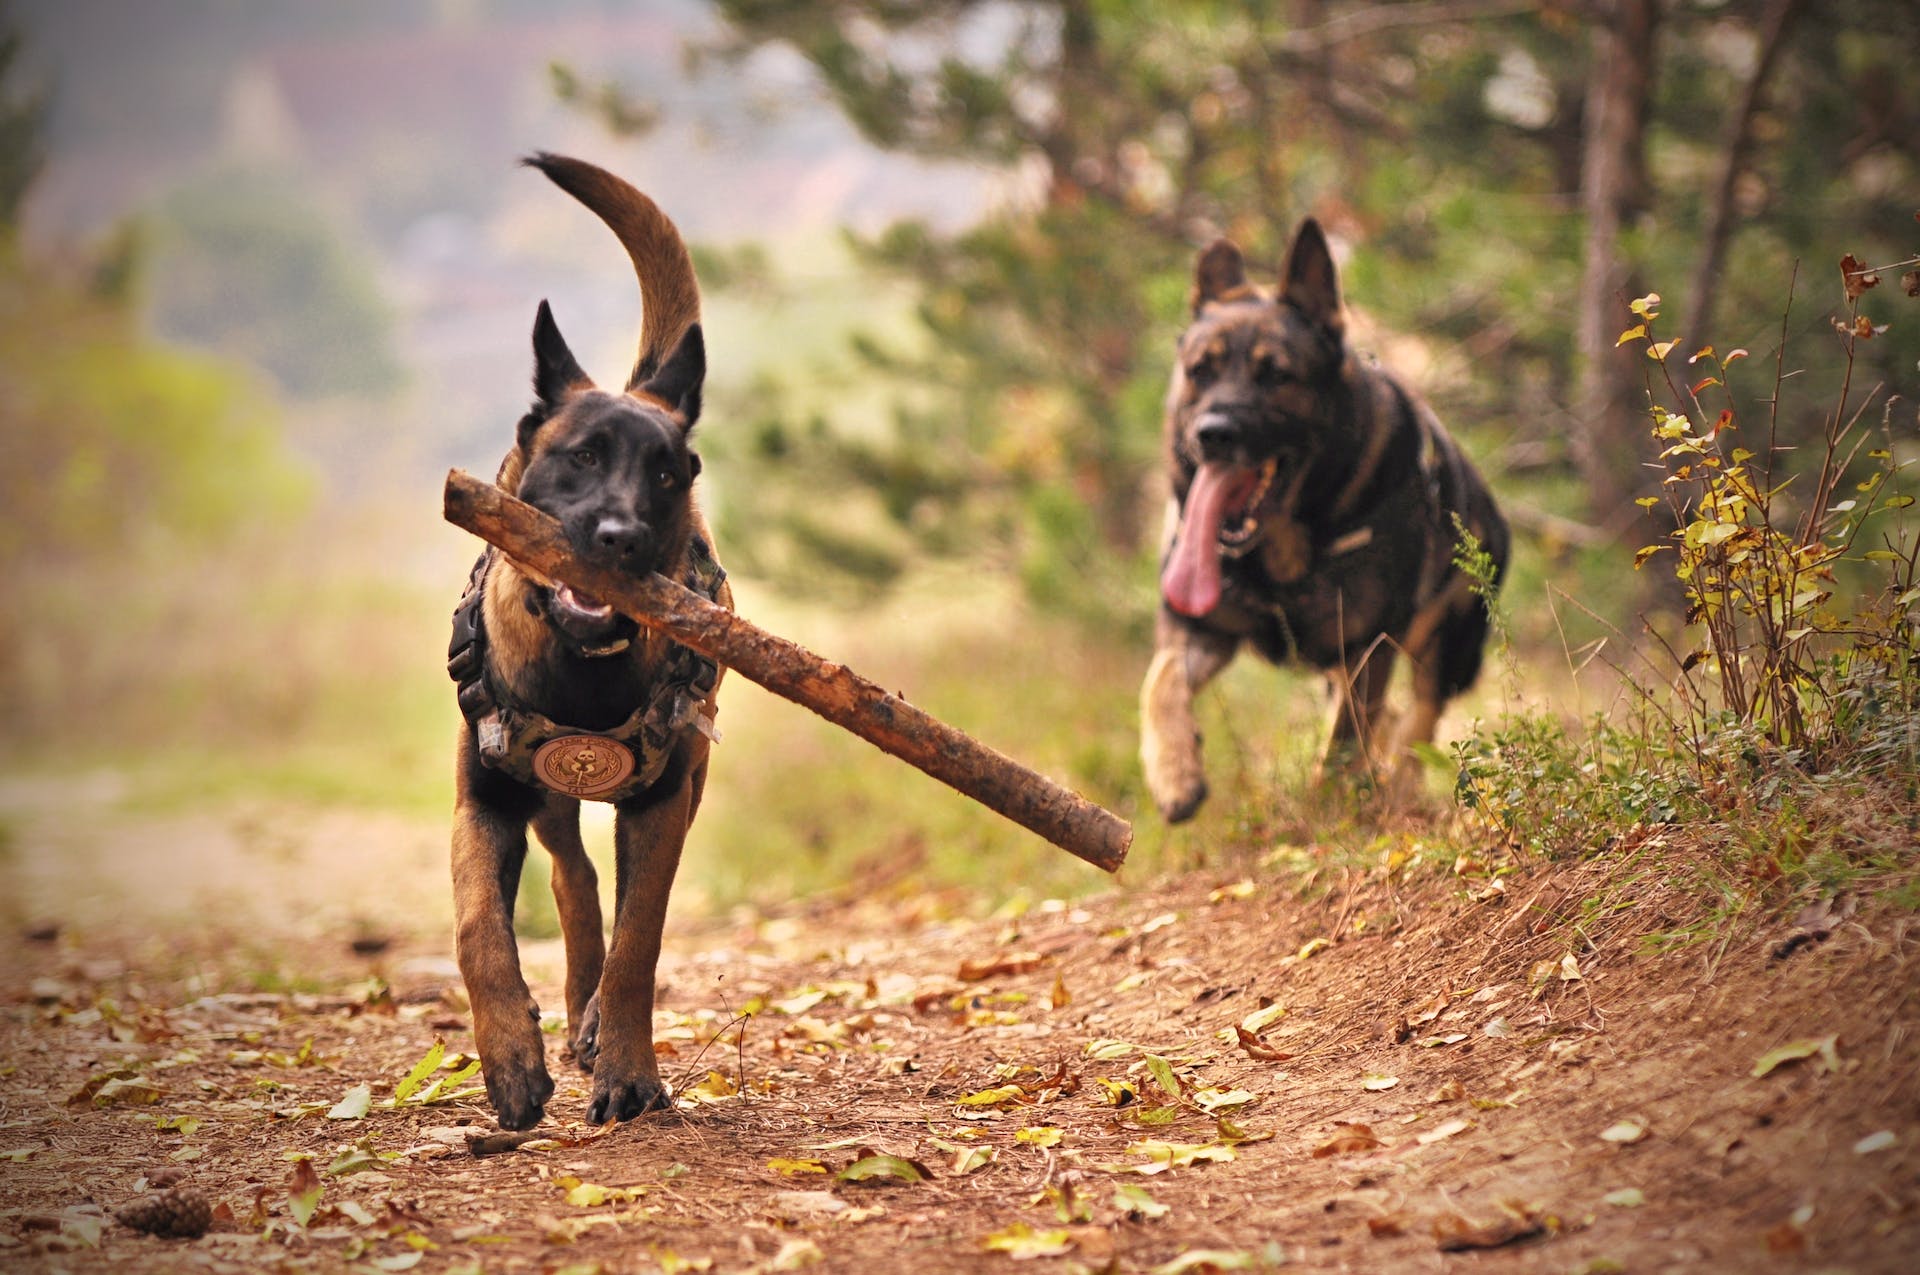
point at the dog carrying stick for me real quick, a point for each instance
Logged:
(835, 692)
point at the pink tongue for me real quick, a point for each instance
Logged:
(1191, 580)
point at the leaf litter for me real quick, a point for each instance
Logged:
(877, 1108)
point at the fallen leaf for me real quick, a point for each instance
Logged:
(1242, 889)
(304, 1191)
(883, 1168)
(1446, 1130)
(795, 1254)
(1454, 1233)
(1134, 1201)
(1875, 1142)
(1347, 1139)
(971, 1159)
(975, 971)
(1624, 1132)
(1059, 997)
(1162, 1072)
(1261, 1019)
(1257, 1049)
(1021, 1242)
(353, 1105)
(1038, 1136)
(354, 1160)
(1211, 1100)
(995, 1097)
(1203, 1261)
(132, 1091)
(1109, 1050)
(1313, 946)
(1796, 1050)
(793, 1168)
(1629, 1197)
(717, 1087)
(1162, 1156)
(1373, 1082)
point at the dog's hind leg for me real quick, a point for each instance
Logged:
(648, 837)
(1359, 695)
(576, 896)
(1444, 645)
(1170, 753)
(489, 847)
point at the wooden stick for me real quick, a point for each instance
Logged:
(835, 692)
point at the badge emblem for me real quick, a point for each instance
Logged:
(582, 765)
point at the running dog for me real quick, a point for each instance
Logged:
(566, 700)
(1315, 516)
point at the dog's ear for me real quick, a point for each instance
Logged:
(555, 370)
(679, 378)
(1310, 284)
(555, 373)
(1221, 270)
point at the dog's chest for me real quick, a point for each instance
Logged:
(1314, 601)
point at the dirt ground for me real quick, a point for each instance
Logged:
(1289, 1064)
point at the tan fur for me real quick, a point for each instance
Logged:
(609, 991)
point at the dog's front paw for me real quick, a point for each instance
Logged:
(625, 1097)
(585, 1037)
(1180, 806)
(518, 1087)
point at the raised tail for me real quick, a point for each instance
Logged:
(669, 293)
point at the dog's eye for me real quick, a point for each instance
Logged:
(665, 480)
(1202, 374)
(585, 457)
(1269, 372)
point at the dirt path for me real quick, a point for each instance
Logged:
(1448, 1073)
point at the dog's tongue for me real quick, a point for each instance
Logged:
(1190, 582)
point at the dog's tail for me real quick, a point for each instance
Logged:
(669, 293)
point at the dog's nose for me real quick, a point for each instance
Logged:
(622, 538)
(1217, 436)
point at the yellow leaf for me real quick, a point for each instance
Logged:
(1021, 1242)
(1637, 332)
(1261, 1019)
(1059, 997)
(791, 1168)
(1039, 1135)
(993, 1097)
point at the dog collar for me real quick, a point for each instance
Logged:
(588, 765)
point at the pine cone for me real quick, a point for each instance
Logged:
(179, 1213)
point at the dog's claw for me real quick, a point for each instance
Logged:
(625, 1099)
(518, 1094)
(586, 1035)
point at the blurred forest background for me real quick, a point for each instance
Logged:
(267, 270)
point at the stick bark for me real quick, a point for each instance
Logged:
(534, 541)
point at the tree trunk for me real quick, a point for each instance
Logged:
(1738, 140)
(1609, 402)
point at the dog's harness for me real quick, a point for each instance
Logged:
(592, 765)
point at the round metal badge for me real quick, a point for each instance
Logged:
(583, 765)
